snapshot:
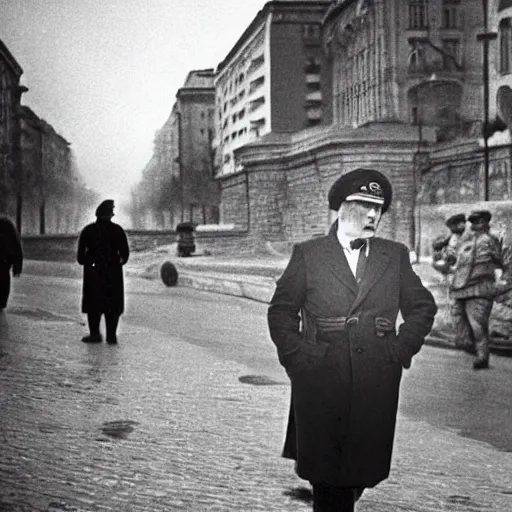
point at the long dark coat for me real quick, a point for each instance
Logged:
(11, 255)
(103, 250)
(345, 383)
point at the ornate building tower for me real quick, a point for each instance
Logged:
(414, 61)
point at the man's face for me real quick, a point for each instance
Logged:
(459, 228)
(479, 225)
(359, 219)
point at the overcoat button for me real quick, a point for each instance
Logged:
(359, 350)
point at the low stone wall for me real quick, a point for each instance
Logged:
(63, 247)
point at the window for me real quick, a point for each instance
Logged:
(312, 65)
(418, 14)
(311, 31)
(451, 13)
(505, 38)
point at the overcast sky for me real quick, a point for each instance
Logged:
(104, 73)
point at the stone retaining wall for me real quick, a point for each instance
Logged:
(63, 247)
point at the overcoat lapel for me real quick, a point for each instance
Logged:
(336, 260)
(378, 260)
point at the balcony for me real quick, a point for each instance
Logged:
(256, 103)
(256, 63)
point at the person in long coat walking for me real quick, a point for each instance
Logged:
(103, 250)
(333, 320)
(11, 257)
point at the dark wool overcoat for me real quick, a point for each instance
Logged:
(103, 250)
(345, 380)
(11, 253)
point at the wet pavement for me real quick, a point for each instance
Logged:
(161, 423)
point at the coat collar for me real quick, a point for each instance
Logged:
(376, 264)
(378, 260)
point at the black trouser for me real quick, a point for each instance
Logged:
(111, 321)
(5, 284)
(328, 498)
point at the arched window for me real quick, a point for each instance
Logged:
(505, 35)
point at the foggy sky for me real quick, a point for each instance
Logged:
(104, 73)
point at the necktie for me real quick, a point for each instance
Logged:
(361, 261)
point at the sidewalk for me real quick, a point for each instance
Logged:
(164, 426)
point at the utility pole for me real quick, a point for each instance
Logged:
(485, 38)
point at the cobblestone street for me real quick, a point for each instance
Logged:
(157, 424)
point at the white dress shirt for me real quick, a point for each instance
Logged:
(352, 255)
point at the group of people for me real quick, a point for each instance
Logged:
(102, 250)
(476, 265)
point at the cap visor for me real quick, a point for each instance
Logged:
(365, 198)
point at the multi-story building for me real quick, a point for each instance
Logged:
(177, 183)
(194, 118)
(53, 197)
(273, 79)
(415, 61)
(10, 150)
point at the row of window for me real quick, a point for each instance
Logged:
(419, 14)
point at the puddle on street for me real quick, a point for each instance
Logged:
(259, 380)
(119, 429)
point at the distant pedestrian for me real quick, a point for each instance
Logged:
(445, 247)
(333, 320)
(103, 250)
(474, 286)
(11, 257)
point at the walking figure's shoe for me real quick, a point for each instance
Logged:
(481, 364)
(112, 339)
(92, 338)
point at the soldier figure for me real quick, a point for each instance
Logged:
(445, 247)
(474, 286)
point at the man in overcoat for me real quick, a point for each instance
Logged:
(11, 257)
(103, 250)
(332, 319)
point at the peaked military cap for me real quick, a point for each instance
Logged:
(105, 209)
(455, 219)
(477, 215)
(361, 184)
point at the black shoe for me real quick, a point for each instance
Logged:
(92, 338)
(481, 364)
(112, 339)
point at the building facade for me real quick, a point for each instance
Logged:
(10, 144)
(501, 61)
(413, 61)
(273, 79)
(52, 195)
(407, 98)
(177, 183)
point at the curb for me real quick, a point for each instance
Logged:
(249, 287)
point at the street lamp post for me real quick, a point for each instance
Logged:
(485, 38)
